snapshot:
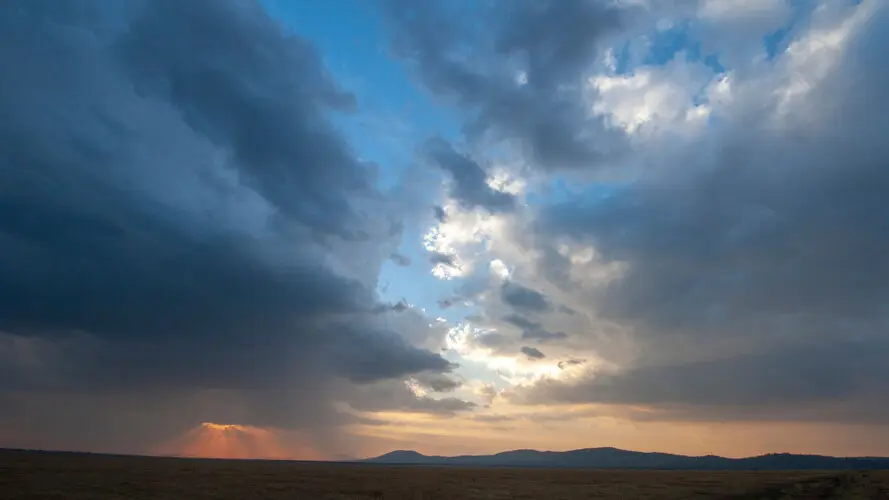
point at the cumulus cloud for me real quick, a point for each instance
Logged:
(181, 221)
(750, 243)
(754, 272)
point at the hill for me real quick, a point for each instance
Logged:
(613, 458)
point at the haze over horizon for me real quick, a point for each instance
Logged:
(327, 228)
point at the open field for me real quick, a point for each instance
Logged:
(35, 475)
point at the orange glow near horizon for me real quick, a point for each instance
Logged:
(589, 429)
(221, 427)
(233, 441)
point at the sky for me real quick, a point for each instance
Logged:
(331, 229)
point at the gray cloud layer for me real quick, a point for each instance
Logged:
(178, 217)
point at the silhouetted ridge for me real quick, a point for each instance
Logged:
(402, 456)
(615, 458)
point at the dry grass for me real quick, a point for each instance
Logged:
(25, 475)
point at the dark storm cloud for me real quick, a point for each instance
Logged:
(475, 57)
(773, 241)
(224, 92)
(379, 355)
(532, 330)
(469, 187)
(523, 298)
(176, 206)
(532, 352)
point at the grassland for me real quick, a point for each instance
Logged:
(32, 475)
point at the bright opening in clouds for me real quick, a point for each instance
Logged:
(271, 229)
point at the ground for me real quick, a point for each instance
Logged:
(35, 475)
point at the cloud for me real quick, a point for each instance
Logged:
(654, 99)
(438, 383)
(738, 230)
(179, 219)
(487, 393)
(753, 253)
(440, 214)
(727, 26)
(840, 382)
(532, 352)
(748, 237)
(532, 330)
(495, 341)
(470, 186)
(409, 397)
(444, 259)
(520, 80)
(523, 298)
(570, 362)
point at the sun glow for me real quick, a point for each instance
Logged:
(222, 427)
(212, 440)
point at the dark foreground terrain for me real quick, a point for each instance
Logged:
(35, 475)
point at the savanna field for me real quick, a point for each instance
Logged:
(34, 475)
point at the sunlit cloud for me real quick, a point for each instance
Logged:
(499, 269)
(461, 238)
(469, 342)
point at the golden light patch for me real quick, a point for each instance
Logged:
(222, 427)
(212, 440)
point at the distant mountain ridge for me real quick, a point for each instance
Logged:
(614, 458)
